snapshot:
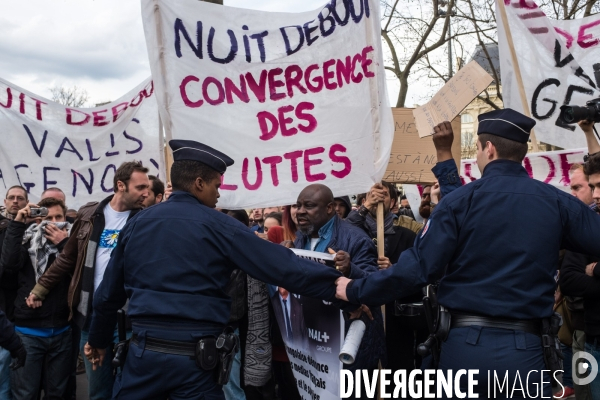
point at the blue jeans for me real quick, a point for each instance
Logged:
(50, 354)
(5, 361)
(233, 390)
(568, 368)
(594, 350)
(100, 381)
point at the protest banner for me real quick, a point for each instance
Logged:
(558, 63)
(294, 99)
(313, 338)
(412, 157)
(46, 144)
(452, 98)
(551, 167)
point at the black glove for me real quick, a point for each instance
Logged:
(18, 357)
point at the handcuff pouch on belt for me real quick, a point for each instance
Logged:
(120, 350)
(217, 354)
(438, 322)
(553, 357)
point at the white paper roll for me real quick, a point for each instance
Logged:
(352, 341)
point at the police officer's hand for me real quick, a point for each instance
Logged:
(18, 357)
(55, 234)
(384, 262)
(375, 195)
(340, 288)
(589, 269)
(443, 136)
(359, 311)
(341, 260)
(288, 243)
(95, 356)
(33, 301)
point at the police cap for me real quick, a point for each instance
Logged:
(195, 151)
(506, 123)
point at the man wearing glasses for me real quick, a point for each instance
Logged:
(16, 199)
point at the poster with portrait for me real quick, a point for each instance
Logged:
(313, 333)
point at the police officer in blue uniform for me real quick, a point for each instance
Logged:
(494, 243)
(173, 262)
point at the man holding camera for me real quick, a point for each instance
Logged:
(85, 257)
(32, 242)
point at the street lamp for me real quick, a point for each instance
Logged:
(442, 13)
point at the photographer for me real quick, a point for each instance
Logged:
(32, 242)
(580, 277)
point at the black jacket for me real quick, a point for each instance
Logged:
(8, 338)
(574, 282)
(54, 312)
(8, 282)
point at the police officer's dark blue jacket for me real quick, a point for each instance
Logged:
(174, 260)
(497, 240)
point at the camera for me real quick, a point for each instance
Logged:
(38, 212)
(590, 112)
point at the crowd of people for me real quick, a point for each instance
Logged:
(182, 269)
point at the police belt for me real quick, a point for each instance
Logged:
(167, 346)
(530, 326)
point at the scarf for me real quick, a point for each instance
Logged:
(40, 248)
(4, 212)
(257, 359)
(388, 226)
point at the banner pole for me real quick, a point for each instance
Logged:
(167, 123)
(517, 69)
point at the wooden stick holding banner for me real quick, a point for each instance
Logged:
(517, 69)
(380, 233)
(167, 123)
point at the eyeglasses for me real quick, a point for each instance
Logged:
(18, 198)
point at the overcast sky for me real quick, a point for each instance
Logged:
(94, 44)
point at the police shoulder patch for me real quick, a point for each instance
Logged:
(425, 228)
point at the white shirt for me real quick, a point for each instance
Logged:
(113, 223)
(313, 243)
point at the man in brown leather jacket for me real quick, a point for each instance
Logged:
(96, 231)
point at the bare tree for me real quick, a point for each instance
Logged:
(468, 145)
(72, 97)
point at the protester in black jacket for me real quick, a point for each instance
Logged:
(45, 331)
(11, 342)
(579, 276)
(402, 332)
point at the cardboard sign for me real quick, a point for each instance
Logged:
(413, 157)
(456, 94)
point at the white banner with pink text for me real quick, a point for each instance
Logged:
(551, 167)
(559, 63)
(293, 98)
